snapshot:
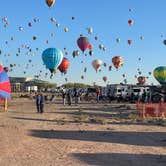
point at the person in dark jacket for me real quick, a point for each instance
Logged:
(38, 98)
(69, 97)
(42, 101)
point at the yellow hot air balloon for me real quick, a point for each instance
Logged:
(66, 29)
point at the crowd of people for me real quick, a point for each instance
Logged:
(74, 95)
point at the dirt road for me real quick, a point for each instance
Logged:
(87, 134)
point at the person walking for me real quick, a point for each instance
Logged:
(38, 99)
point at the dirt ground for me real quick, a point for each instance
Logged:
(87, 134)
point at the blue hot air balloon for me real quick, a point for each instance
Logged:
(52, 58)
(5, 88)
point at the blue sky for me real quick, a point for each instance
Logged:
(108, 18)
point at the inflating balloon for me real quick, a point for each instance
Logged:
(5, 88)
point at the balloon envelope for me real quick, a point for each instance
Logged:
(5, 88)
(50, 3)
(141, 80)
(160, 74)
(117, 61)
(52, 58)
(83, 43)
(97, 64)
(63, 67)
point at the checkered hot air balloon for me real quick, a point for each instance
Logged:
(5, 88)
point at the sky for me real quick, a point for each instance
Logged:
(109, 20)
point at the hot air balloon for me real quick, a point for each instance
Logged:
(83, 43)
(75, 53)
(52, 19)
(110, 68)
(96, 38)
(21, 28)
(130, 22)
(52, 58)
(97, 64)
(90, 52)
(164, 41)
(6, 69)
(105, 78)
(117, 40)
(66, 29)
(90, 30)
(82, 77)
(90, 47)
(58, 25)
(141, 80)
(50, 3)
(63, 67)
(30, 24)
(117, 61)
(160, 74)
(5, 88)
(129, 41)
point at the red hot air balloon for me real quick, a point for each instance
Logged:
(90, 47)
(63, 67)
(5, 88)
(130, 22)
(83, 43)
(129, 41)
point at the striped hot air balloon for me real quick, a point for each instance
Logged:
(5, 88)
(160, 74)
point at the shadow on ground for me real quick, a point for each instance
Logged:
(120, 137)
(119, 159)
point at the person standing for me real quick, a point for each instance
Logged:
(98, 95)
(42, 103)
(64, 96)
(38, 99)
(76, 95)
(69, 97)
